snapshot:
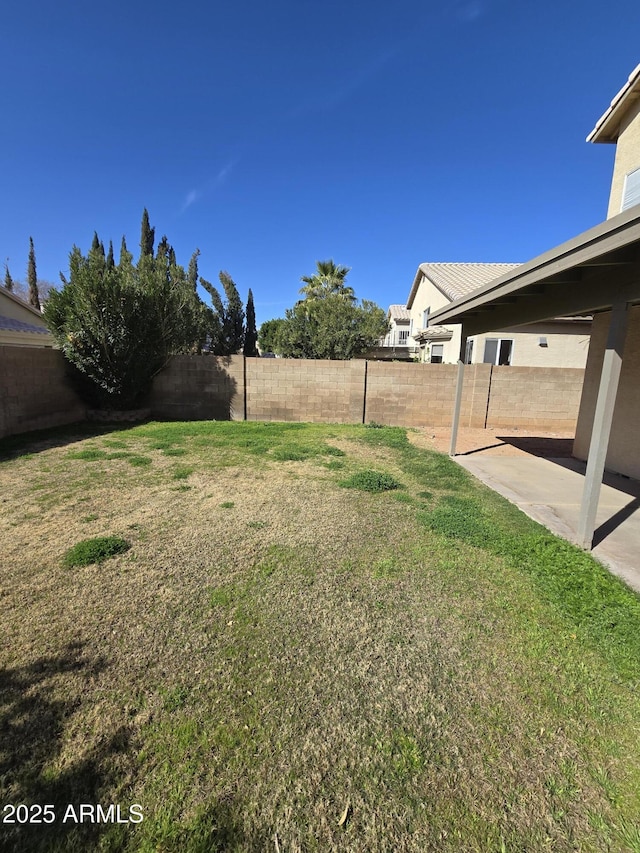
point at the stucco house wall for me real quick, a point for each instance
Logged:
(620, 125)
(567, 342)
(627, 157)
(20, 324)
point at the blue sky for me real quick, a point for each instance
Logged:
(271, 135)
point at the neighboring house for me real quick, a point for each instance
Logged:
(20, 324)
(597, 273)
(396, 345)
(560, 342)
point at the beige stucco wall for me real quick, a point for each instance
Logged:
(627, 157)
(624, 445)
(567, 345)
(428, 296)
(15, 310)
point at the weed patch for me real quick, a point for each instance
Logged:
(95, 550)
(371, 481)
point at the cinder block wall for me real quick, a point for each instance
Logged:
(199, 387)
(416, 395)
(305, 390)
(534, 397)
(34, 391)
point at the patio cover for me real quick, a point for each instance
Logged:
(596, 271)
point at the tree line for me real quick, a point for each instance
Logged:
(118, 322)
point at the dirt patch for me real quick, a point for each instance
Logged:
(496, 442)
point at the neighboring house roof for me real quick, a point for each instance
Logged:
(607, 127)
(20, 323)
(458, 280)
(7, 324)
(434, 333)
(399, 313)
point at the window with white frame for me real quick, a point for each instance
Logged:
(631, 191)
(425, 317)
(498, 351)
(403, 334)
(437, 353)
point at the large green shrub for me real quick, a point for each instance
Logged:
(118, 324)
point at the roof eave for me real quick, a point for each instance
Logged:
(607, 127)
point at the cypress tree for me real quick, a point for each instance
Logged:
(192, 272)
(125, 255)
(251, 333)
(163, 248)
(233, 321)
(8, 281)
(147, 236)
(34, 298)
(110, 260)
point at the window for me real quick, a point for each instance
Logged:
(437, 351)
(631, 191)
(425, 317)
(468, 355)
(403, 334)
(497, 351)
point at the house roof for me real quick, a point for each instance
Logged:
(399, 312)
(607, 127)
(7, 324)
(434, 333)
(457, 280)
(588, 273)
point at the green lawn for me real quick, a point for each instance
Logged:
(302, 638)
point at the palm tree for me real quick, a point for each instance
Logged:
(328, 280)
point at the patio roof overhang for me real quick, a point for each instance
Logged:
(596, 271)
(587, 274)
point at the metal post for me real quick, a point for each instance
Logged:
(601, 430)
(458, 400)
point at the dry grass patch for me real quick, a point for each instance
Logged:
(276, 653)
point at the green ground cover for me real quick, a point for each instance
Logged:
(320, 638)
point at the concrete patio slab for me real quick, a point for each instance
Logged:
(549, 490)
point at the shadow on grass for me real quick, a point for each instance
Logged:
(14, 446)
(216, 828)
(32, 724)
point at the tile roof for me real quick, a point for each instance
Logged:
(433, 332)
(458, 280)
(7, 324)
(399, 312)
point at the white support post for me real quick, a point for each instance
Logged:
(458, 399)
(603, 418)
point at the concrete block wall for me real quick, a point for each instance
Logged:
(35, 394)
(199, 387)
(534, 397)
(319, 391)
(416, 395)
(34, 391)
